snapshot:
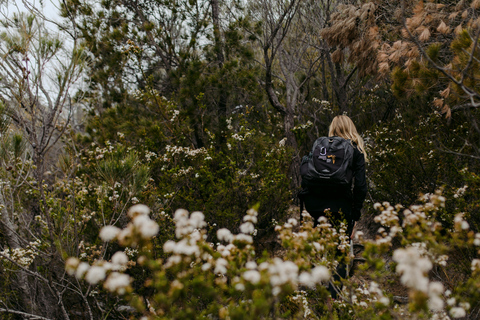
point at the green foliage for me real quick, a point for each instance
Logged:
(224, 177)
(462, 42)
(433, 51)
(123, 167)
(400, 78)
(412, 154)
(226, 181)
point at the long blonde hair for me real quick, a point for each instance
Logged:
(342, 126)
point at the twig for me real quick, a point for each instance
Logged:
(24, 314)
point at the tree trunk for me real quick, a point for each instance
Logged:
(325, 94)
(222, 99)
(293, 170)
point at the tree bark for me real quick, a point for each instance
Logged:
(219, 48)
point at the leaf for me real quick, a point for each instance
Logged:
(453, 15)
(475, 4)
(449, 112)
(337, 56)
(459, 29)
(384, 67)
(443, 28)
(445, 93)
(437, 102)
(425, 35)
(419, 8)
(460, 5)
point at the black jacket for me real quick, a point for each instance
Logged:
(345, 198)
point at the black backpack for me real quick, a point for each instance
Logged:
(329, 162)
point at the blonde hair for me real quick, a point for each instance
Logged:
(342, 126)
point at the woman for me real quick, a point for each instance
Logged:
(340, 200)
(343, 201)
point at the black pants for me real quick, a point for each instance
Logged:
(335, 218)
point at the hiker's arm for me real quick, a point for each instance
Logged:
(360, 184)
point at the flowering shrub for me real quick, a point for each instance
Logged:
(406, 159)
(230, 279)
(199, 273)
(224, 181)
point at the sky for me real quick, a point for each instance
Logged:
(50, 10)
(48, 7)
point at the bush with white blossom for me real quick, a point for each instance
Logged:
(229, 279)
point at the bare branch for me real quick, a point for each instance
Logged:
(459, 154)
(28, 316)
(349, 76)
(465, 106)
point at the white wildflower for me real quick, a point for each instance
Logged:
(359, 235)
(457, 312)
(292, 221)
(413, 267)
(306, 279)
(120, 258)
(252, 276)
(71, 265)
(224, 235)
(435, 301)
(145, 226)
(138, 209)
(180, 214)
(476, 241)
(117, 282)
(221, 266)
(475, 264)
(81, 270)
(243, 238)
(465, 305)
(282, 272)
(276, 291)
(169, 246)
(451, 301)
(197, 220)
(108, 233)
(249, 218)
(95, 274)
(320, 274)
(384, 300)
(239, 287)
(173, 260)
(322, 219)
(247, 228)
(318, 247)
